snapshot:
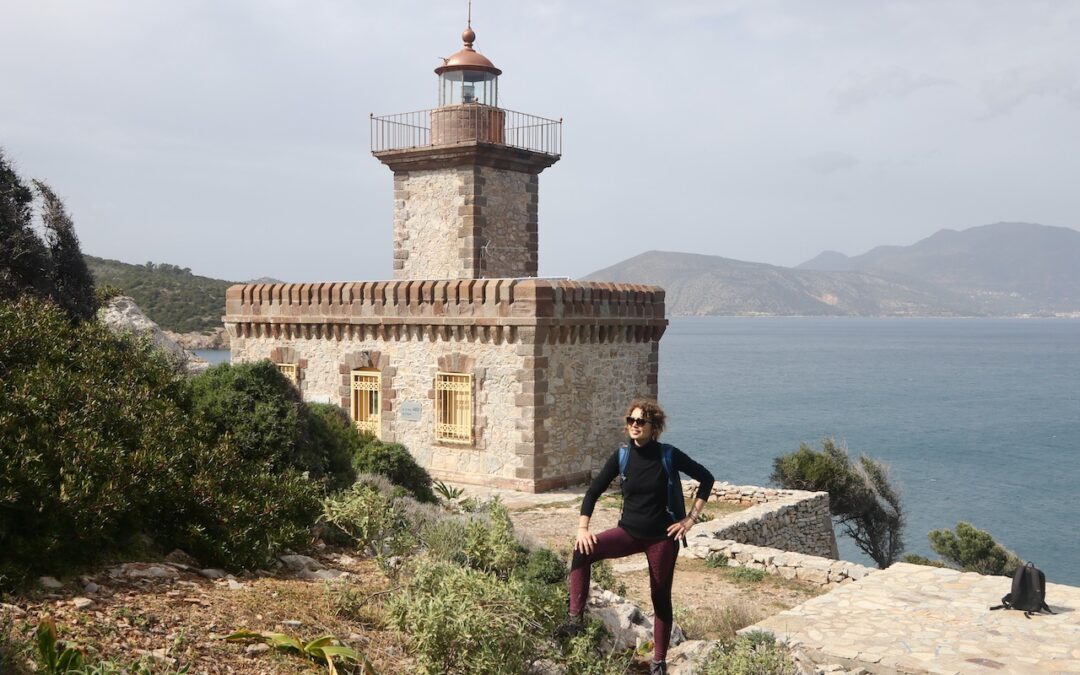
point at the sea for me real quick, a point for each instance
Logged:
(978, 420)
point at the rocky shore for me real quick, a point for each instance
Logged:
(216, 339)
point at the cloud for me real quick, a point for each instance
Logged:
(830, 162)
(1012, 88)
(892, 82)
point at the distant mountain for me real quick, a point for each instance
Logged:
(701, 285)
(1005, 269)
(172, 296)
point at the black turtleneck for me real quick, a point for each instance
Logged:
(644, 513)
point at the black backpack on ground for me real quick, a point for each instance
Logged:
(1028, 591)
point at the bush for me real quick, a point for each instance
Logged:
(584, 656)
(913, 559)
(462, 620)
(544, 566)
(371, 518)
(747, 574)
(757, 653)
(861, 499)
(93, 430)
(100, 441)
(260, 411)
(973, 550)
(394, 461)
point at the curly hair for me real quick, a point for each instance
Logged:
(652, 410)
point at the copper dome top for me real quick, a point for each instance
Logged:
(467, 58)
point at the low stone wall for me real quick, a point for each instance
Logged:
(789, 520)
(787, 564)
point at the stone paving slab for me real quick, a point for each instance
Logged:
(916, 619)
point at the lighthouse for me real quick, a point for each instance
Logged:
(466, 176)
(487, 373)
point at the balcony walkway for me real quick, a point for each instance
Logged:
(915, 619)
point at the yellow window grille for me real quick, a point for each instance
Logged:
(290, 371)
(366, 405)
(454, 408)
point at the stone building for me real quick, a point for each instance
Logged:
(488, 374)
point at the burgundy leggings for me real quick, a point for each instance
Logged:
(617, 543)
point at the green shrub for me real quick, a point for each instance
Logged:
(717, 560)
(490, 544)
(371, 519)
(543, 566)
(394, 461)
(261, 412)
(973, 550)
(584, 656)
(747, 574)
(862, 501)
(914, 559)
(100, 440)
(757, 653)
(463, 620)
(93, 429)
(603, 574)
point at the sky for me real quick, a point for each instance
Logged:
(232, 136)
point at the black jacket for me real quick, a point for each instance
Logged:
(644, 513)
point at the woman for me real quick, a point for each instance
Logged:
(645, 526)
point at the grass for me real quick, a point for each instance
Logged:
(718, 623)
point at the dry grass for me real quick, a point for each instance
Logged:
(183, 621)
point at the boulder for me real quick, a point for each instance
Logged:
(628, 625)
(122, 315)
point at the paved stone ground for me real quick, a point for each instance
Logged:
(915, 619)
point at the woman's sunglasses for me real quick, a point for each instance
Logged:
(637, 421)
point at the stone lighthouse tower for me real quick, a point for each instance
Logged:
(485, 372)
(466, 177)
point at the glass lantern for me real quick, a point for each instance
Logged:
(457, 87)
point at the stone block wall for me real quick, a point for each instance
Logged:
(547, 359)
(786, 564)
(790, 520)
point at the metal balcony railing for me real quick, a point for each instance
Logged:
(403, 131)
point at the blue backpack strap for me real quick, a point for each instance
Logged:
(676, 500)
(624, 459)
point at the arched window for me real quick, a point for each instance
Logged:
(454, 408)
(366, 402)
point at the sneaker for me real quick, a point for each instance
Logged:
(574, 625)
(657, 667)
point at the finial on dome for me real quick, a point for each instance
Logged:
(468, 36)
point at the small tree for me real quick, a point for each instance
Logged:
(24, 260)
(973, 550)
(861, 499)
(72, 282)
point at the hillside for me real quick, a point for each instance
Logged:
(702, 285)
(173, 297)
(1004, 268)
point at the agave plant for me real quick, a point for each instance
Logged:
(319, 649)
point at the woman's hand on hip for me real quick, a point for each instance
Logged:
(585, 541)
(678, 529)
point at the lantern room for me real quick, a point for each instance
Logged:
(468, 77)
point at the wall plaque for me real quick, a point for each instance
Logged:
(410, 411)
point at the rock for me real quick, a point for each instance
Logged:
(82, 603)
(257, 648)
(343, 559)
(235, 585)
(162, 655)
(179, 557)
(686, 658)
(49, 582)
(12, 609)
(292, 623)
(91, 588)
(300, 563)
(625, 621)
(122, 315)
(322, 575)
(213, 573)
(144, 571)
